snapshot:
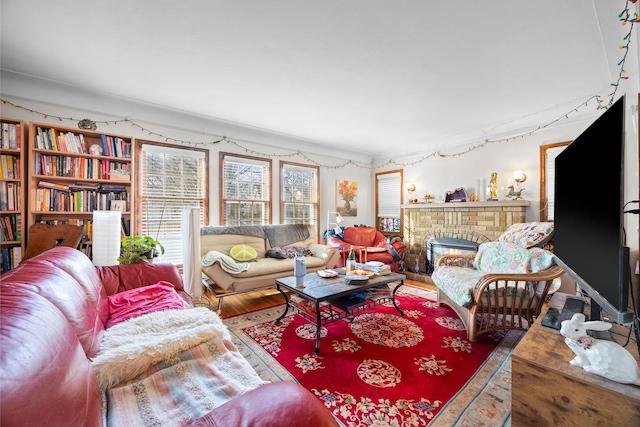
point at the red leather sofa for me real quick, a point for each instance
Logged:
(371, 244)
(53, 310)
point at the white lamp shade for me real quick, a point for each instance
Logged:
(106, 237)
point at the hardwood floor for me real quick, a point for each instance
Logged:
(252, 301)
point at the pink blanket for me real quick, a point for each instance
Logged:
(134, 302)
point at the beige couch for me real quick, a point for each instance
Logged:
(262, 272)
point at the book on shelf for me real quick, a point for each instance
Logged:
(5, 166)
(106, 188)
(16, 255)
(8, 228)
(84, 186)
(5, 135)
(18, 139)
(6, 260)
(47, 184)
(9, 166)
(3, 196)
(105, 148)
(11, 196)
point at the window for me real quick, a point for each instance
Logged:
(171, 178)
(299, 193)
(548, 154)
(388, 202)
(245, 189)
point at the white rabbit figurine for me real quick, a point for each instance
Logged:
(600, 357)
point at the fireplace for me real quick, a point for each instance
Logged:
(422, 221)
(447, 245)
(453, 242)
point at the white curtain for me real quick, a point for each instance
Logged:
(191, 252)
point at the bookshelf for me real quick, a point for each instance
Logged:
(73, 172)
(12, 190)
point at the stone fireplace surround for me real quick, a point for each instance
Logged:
(423, 220)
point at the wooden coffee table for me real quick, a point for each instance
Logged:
(326, 300)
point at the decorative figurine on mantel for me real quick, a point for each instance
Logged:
(513, 194)
(601, 357)
(493, 188)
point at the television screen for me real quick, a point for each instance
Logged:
(588, 215)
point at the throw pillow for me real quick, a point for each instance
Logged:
(528, 234)
(288, 252)
(243, 253)
(508, 257)
(275, 253)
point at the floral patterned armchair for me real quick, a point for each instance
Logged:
(503, 285)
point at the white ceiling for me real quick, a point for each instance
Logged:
(387, 79)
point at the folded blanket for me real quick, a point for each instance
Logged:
(129, 348)
(227, 263)
(145, 299)
(285, 234)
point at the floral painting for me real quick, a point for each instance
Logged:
(346, 203)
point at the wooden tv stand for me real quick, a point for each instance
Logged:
(548, 391)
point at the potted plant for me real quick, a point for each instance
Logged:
(136, 249)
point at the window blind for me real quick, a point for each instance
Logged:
(170, 180)
(299, 195)
(246, 195)
(389, 194)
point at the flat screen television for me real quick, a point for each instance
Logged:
(589, 236)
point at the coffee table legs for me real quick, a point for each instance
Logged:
(286, 304)
(318, 328)
(393, 298)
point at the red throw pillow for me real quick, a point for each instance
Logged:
(145, 299)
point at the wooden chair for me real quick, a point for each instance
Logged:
(43, 237)
(493, 297)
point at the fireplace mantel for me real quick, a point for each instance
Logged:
(422, 220)
(468, 205)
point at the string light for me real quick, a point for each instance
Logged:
(625, 17)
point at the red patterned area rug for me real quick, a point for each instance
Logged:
(381, 369)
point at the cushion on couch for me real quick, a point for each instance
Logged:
(243, 253)
(528, 234)
(508, 257)
(282, 252)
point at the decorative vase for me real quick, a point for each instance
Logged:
(347, 207)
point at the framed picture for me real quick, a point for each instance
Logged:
(346, 199)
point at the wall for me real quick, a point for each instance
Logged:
(435, 175)
(328, 175)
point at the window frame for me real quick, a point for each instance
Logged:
(267, 183)
(315, 220)
(547, 177)
(400, 215)
(141, 199)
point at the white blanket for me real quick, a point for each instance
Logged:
(129, 348)
(227, 263)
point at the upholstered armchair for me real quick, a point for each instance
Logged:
(370, 244)
(503, 285)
